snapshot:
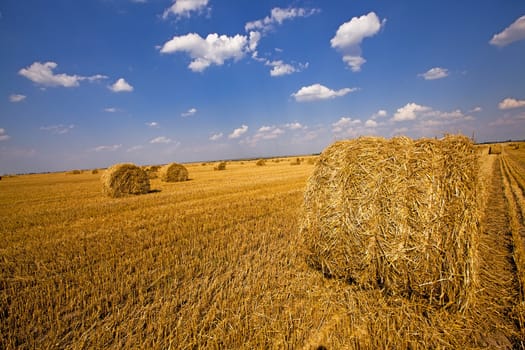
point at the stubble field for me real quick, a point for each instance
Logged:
(217, 262)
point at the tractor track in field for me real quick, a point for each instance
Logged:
(513, 191)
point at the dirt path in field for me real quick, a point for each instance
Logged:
(502, 259)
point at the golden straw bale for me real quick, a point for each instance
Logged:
(261, 162)
(123, 179)
(397, 214)
(221, 166)
(173, 172)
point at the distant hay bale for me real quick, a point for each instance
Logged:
(75, 172)
(261, 162)
(94, 171)
(123, 179)
(495, 149)
(297, 161)
(173, 173)
(398, 214)
(220, 166)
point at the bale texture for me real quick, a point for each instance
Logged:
(173, 173)
(397, 214)
(124, 179)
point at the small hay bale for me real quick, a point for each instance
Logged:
(495, 149)
(220, 166)
(297, 161)
(261, 162)
(94, 171)
(399, 215)
(124, 179)
(173, 172)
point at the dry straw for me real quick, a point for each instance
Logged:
(398, 214)
(173, 173)
(124, 179)
(221, 166)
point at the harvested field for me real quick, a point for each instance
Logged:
(215, 263)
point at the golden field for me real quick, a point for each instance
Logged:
(217, 262)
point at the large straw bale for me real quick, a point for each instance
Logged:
(397, 214)
(173, 173)
(124, 179)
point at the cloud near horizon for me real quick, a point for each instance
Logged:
(238, 132)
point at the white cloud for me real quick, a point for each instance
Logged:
(294, 126)
(476, 109)
(216, 136)
(278, 16)
(16, 98)
(349, 36)
(161, 139)
(409, 112)
(184, 7)
(58, 129)
(3, 135)
(107, 148)
(264, 133)
(111, 109)
(379, 114)
(153, 124)
(121, 85)
(135, 148)
(434, 73)
(514, 32)
(344, 124)
(370, 123)
(280, 68)
(214, 49)
(42, 73)
(238, 132)
(319, 92)
(509, 120)
(510, 103)
(189, 112)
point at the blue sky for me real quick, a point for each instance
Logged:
(94, 82)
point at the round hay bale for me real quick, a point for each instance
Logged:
(124, 179)
(221, 166)
(173, 173)
(399, 215)
(261, 162)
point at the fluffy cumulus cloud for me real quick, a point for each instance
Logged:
(344, 125)
(42, 74)
(280, 68)
(16, 98)
(161, 140)
(434, 73)
(3, 135)
(264, 133)
(58, 129)
(214, 49)
(409, 112)
(107, 148)
(349, 36)
(514, 32)
(185, 8)
(294, 126)
(121, 85)
(238, 132)
(216, 136)
(189, 112)
(319, 92)
(510, 103)
(278, 16)
(379, 114)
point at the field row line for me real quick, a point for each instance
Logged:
(516, 204)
